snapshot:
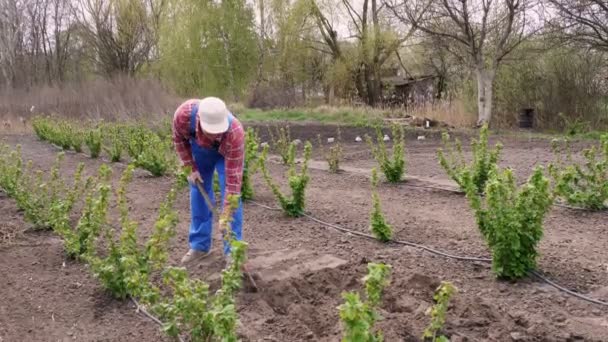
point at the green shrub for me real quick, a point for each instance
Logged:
(115, 143)
(442, 296)
(333, 155)
(479, 168)
(125, 268)
(392, 167)
(93, 139)
(281, 142)
(154, 156)
(294, 204)
(358, 317)
(77, 139)
(381, 230)
(191, 309)
(583, 185)
(510, 219)
(79, 243)
(252, 144)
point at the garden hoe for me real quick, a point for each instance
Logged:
(217, 214)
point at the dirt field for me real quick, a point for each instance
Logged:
(303, 266)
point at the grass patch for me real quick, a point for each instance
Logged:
(351, 116)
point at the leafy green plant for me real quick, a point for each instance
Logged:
(44, 195)
(294, 204)
(181, 176)
(93, 138)
(510, 219)
(583, 185)
(333, 155)
(252, 144)
(483, 159)
(125, 269)
(41, 126)
(281, 142)
(381, 230)
(116, 143)
(191, 308)
(11, 171)
(154, 156)
(77, 139)
(136, 140)
(442, 296)
(358, 317)
(79, 243)
(392, 167)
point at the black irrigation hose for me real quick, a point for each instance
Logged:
(150, 316)
(440, 253)
(570, 292)
(406, 243)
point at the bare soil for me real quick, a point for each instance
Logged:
(302, 267)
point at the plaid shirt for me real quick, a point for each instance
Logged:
(231, 146)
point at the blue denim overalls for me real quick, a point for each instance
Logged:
(207, 160)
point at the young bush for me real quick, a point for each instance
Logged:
(136, 140)
(293, 205)
(11, 171)
(510, 219)
(358, 317)
(44, 194)
(93, 139)
(126, 268)
(63, 136)
(115, 147)
(281, 142)
(79, 243)
(252, 144)
(77, 139)
(393, 167)
(41, 127)
(181, 174)
(437, 312)
(381, 230)
(191, 309)
(479, 168)
(154, 156)
(584, 185)
(59, 211)
(333, 155)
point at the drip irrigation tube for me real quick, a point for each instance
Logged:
(440, 253)
(570, 292)
(150, 316)
(406, 243)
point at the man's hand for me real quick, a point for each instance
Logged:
(195, 176)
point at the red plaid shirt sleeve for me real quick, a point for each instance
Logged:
(181, 133)
(234, 155)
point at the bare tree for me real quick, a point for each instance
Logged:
(121, 33)
(11, 38)
(581, 21)
(481, 33)
(376, 42)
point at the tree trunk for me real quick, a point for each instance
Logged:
(229, 66)
(331, 94)
(485, 83)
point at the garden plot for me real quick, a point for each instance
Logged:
(297, 303)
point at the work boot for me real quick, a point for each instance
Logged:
(194, 255)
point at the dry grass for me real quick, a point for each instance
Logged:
(116, 99)
(453, 113)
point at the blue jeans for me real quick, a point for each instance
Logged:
(201, 227)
